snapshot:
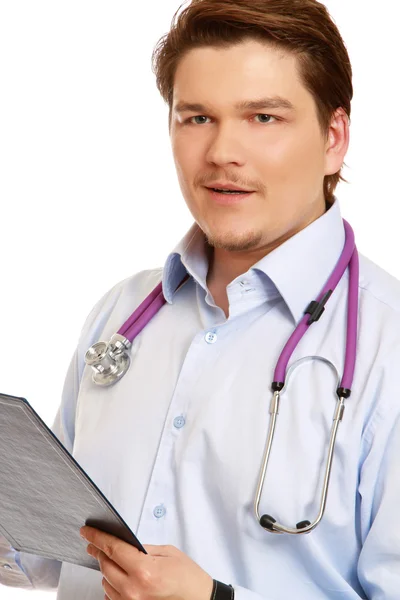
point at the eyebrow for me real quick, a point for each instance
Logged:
(264, 103)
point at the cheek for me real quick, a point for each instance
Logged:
(186, 158)
(291, 157)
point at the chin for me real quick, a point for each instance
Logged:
(233, 241)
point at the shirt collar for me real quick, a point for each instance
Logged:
(298, 268)
(189, 256)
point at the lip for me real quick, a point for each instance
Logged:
(228, 199)
(227, 186)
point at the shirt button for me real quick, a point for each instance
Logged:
(179, 422)
(159, 511)
(8, 567)
(210, 337)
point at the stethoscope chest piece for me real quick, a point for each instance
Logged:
(109, 360)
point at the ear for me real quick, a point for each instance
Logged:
(337, 142)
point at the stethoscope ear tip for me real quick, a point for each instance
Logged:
(267, 522)
(302, 524)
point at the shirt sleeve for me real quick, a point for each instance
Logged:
(242, 593)
(28, 571)
(379, 561)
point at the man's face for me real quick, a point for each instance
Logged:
(280, 153)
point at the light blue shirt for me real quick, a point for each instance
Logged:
(177, 444)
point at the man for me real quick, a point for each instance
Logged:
(259, 96)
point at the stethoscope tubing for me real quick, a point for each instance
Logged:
(145, 312)
(349, 258)
(111, 361)
(349, 251)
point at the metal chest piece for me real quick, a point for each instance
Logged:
(109, 361)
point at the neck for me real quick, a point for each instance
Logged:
(225, 266)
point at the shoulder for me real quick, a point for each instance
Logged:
(378, 350)
(379, 312)
(133, 289)
(378, 286)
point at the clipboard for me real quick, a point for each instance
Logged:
(45, 496)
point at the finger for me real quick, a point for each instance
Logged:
(112, 573)
(117, 550)
(110, 592)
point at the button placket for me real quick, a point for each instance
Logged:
(179, 422)
(159, 511)
(211, 337)
(160, 493)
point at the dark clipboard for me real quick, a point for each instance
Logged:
(45, 496)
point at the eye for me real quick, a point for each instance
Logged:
(268, 116)
(196, 117)
(191, 122)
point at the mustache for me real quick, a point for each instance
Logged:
(205, 180)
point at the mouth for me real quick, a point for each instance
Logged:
(228, 196)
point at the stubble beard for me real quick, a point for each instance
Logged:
(232, 242)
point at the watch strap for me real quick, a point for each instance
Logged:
(221, 591)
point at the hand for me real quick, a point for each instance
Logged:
(165, 573)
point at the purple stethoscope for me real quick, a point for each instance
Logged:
(110, 361)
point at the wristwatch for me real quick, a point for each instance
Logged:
(221, 591)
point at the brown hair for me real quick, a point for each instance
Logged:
(302, 27)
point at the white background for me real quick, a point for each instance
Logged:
(88, 190)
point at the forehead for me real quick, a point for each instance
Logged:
(225, 76)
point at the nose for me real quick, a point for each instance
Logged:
(225, 147)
